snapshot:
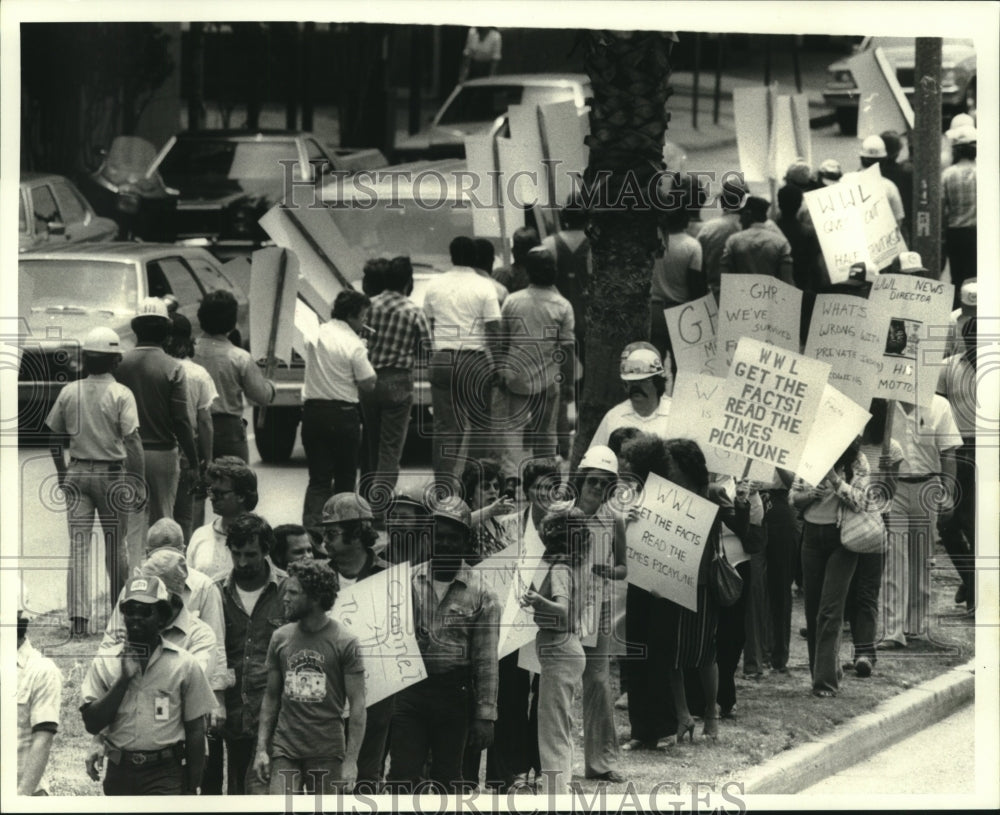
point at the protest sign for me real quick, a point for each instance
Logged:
(757, 306)
(378, 611)
(771, 402)
(502, 572)
(697, 406)
(274, 284)
(791, 138)
(838, 421)
(566, 154)
(666, 541)
(693, 336)
(882, 103)
(750, 113)
(849, 333)
(854, 223)
(917, 308)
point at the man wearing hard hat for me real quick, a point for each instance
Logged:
(100, 418)
(873, 151)
(648, 405)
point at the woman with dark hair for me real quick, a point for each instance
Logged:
(827, 567)
(494, 526)
(337, 369)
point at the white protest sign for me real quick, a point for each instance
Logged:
(760, 307)
(750, 113)
(838, 421)
(791, 137)
(521, 162)
(378, 611)
(854, 223)
(565, 131)
(849, 333)
(882, 104)
(500, 572)
(697, 406)
(916, 308)
(270, 266)
(771, 402)
(666, 542)
(480, 162)
(306, 327)
(693, 338)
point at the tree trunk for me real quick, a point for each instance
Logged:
(630, 76)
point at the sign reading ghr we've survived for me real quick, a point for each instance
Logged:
(771, 401)
(760, 307)
(665, 544)
(378, 611)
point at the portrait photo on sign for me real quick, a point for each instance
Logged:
(903, 338)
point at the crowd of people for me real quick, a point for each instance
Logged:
(220, 652)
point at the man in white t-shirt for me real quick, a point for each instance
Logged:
(648, 405)
(464, 314)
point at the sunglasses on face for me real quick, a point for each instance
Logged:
(217, 493)
(141, 610)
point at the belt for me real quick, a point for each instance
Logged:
(141, 758)
(159, 446)
(95, 462)
(916, 479)
(330, 403)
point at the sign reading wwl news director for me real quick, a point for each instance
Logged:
(377, 610)
(770, 405)
(666, 542)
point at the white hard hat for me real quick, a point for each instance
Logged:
(963, 135)
(600, 457)
(969, 293)
(873, 147)
(153, 307)
(640, 360)
(910, 263)
(102, 340)
(959, 121)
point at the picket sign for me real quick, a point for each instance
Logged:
(758, 307)
(693, 331)
(839, 420)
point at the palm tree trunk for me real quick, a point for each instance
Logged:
(630, 75)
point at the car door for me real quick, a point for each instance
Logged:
(81, 222)
(45, 214)
(171, 275)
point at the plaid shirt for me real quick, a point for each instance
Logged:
(958, 195)
(460, 632)
(400, 328)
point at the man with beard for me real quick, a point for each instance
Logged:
(313, 667)
(150, 699)
(457, 619)
(647, 406)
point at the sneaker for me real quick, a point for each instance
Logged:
(728, 712)
(863, 667)
(610, 777)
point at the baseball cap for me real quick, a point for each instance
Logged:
(600, 457)
(910, 263)
(152, 308)
(102, 340)
(169, 566)
(830, 171)
(799, 173)
(873, 147)
(640, 360)
(960, 120)
(346, 506)
(964, 135)
(145, 589)
(166, 533)
(453, 509)
(969, 293)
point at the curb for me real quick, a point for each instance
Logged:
(864, 736)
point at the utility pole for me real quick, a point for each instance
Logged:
(196, 93)
(926, 144)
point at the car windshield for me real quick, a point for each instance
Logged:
(73, 283)
(412, 230)
(225, 164)
(481, 103)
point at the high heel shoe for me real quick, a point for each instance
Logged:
(711, 728)
(685, 728)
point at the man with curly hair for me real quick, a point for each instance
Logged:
(313, 667)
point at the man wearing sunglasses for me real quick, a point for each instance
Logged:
(233, 492)
(149, 698)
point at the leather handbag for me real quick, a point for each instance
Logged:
(724, 581)
(862, 532)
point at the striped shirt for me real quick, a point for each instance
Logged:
(958, 195)
(400, 330)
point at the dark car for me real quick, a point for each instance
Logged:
(228, 179)
(64, 293)
(958, 77)
(52, 212)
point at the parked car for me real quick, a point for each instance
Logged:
(227, 179)
(958, 77)
(478, 105)
(64, 293)
(52, 212)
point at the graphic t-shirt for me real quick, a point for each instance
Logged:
(313, 666)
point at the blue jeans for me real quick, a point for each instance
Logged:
(331, 437)
(862, 604)
(827, 569)
(461, 396)
(387, 417)
(562, 661)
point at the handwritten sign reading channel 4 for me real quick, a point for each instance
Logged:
(771, 402)
(693, 327)
(760, 307)
(666, 542)
(849, 333)
(854, 223)
(916, 308)
(698, 403)
(378, 611)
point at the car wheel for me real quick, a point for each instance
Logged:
(847, 120)
(276, 439)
